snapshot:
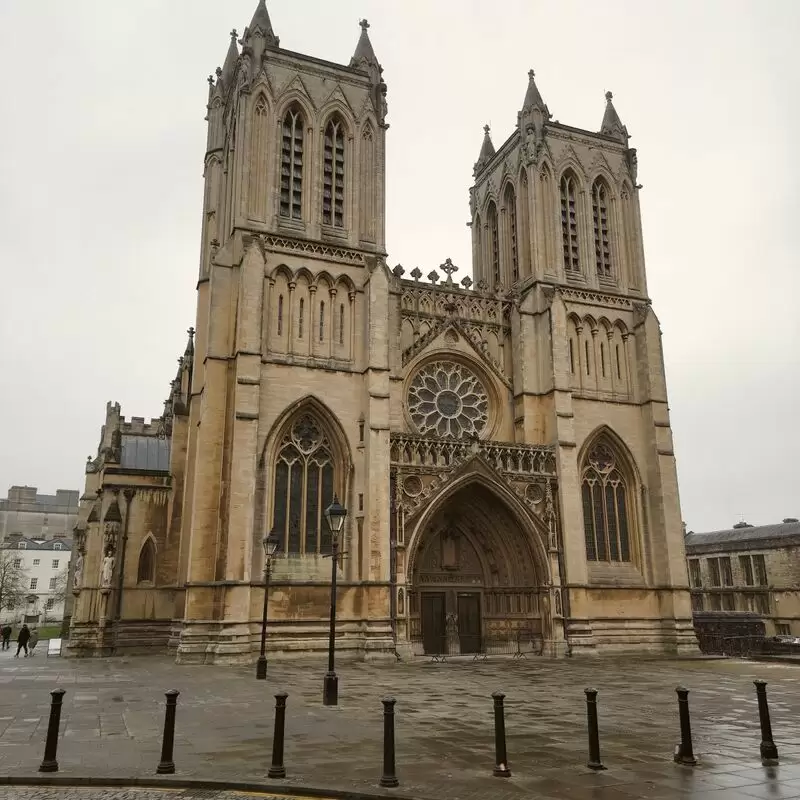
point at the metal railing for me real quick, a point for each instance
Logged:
(518, 644)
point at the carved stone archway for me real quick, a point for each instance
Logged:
(476, 577)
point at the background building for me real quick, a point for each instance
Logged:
(28, 514)
(34, 573)
(749, 568)
(504, 447)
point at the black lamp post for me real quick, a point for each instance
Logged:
(270, 546)
(335, 515)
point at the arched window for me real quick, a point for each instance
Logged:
(367, 210)
(341, 323)
(605, 506)
(333, 175)
(280, 315)
(146, 573)
(304, 488)
(259, 139)
(513, 244)
(569, 223)
(494, 244)
(322, 320)
(292, 165)
(602, 251)
(301, 318)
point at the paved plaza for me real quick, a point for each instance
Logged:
(113, 716)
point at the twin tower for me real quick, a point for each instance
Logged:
(503, 446)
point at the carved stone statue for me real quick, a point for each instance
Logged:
(77, 575)
(449, 551)
(107, 571)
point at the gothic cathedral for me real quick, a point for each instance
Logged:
(503, 447)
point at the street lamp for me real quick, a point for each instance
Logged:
(270, 546)
(334, 514)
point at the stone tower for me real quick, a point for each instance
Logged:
(503, 447)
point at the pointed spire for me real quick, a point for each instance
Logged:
(487, 150)
(612, 124)
(190, 344)
(533, 100)
(364, 54)
(261, 22)
(229, 67)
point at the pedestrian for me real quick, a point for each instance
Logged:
(6, 631)
(33, 641)
(22, 640)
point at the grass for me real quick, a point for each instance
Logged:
(49, 631)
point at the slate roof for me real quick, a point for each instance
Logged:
(65, 545)
(745, 537)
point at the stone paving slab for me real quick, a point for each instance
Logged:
(443, 725)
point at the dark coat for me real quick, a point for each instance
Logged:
(24, 635)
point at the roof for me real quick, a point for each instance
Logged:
(38, 544)
(148, 453)
(752, 535)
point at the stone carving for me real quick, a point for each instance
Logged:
(595, 298)
(77, 575)
(107, 571)
(448, 399)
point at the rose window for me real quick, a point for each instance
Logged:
(448, 399)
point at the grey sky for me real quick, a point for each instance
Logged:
(101, 185)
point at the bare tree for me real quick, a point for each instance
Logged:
(57, 592)
(13, 580)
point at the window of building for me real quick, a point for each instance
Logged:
(301, 318)
(713, 569)
(571, 357)
(22, 545)
(322, 320)
(602, 248)
(146, 571)
(280, 315)
(728, 602)
(783, 629)
(747, 570)
(605, 506)
(725, 570)
(304, 487)
(36, 562)
(697, 601)
(55, 563)
(333, 175)
(50, 604)
(341, 323)
(58, 546)
(569, 223)
(695, 576)
(52, 583)
(494, 244)
(762, 603)
(292, 165)
(513, 246)
(760, 569)
(715, 602)
(34, 583)
(17, 563)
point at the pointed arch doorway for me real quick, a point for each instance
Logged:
(476, 578)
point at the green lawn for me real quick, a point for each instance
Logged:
(49, 631)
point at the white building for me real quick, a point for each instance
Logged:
(37, 575)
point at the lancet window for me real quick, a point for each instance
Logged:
(333, 175)
(146, 572)
(569, 223)
(602, 248)
(513, 244)
(292, 165)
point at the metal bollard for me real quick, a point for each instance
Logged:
(278, 770)
(769, 752)
(501, 769)
(389, 777)
(49, 762)
(594, 735)
(167, 766)
(684, 752)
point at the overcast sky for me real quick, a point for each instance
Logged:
(102, 139)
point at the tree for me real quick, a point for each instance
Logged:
(57, 592)
(14, 581)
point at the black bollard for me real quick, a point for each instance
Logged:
(167, 766)
(277, 770)
(684, 753)
(49, 762)
(769, 752)
(594, 735)
(389, 777)
(501, 769)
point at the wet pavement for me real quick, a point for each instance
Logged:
(113, 717)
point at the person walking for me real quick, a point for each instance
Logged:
(23, 637)
(6, 631)
(33, 641)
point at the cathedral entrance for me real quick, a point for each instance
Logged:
(476, 583)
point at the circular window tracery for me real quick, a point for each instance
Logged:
(448, 399)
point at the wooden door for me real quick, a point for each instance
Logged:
(433, 623)
(469, 622)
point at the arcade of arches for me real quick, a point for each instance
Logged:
(476, 575)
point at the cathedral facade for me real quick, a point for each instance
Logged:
(503, 446)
